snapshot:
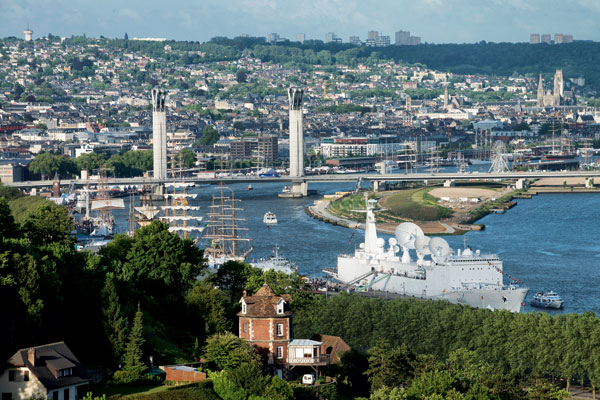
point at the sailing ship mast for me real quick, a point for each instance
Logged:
(177, 206)
(104, 223)
(224, 241)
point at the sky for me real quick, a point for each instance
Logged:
(435, 21)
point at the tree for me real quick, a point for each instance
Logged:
(188, 157)
(8, 228)
(160, 264)
(89, 161)
(207, 309)
(388, 366)
(227, 351)
(241, 76)
(49, 224)
(210, 136)
(278, 389)
(134, 366)
(115, 323)
(45, 164)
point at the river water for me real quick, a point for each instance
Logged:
(550, 242)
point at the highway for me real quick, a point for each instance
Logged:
(322, 178)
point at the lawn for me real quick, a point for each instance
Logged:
(414, 204)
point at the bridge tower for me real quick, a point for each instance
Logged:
(159, 133)
(299, 186)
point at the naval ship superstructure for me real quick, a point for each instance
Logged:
(467, 277)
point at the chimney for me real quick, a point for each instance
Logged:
(31, 356)
(244, 294)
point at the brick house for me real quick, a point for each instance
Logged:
(50, 371)
(266, 322)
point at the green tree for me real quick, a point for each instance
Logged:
(133, 367)
(388, 366)
(210, 136)
(207, 307)
(227, 351)
(115, 323)
(89, 161)
(45, 164)
(48, 224)
(8, 228)
(278, 389)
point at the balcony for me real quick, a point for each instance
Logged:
(318, 360)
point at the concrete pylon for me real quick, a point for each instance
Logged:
(299, 187)
(159, 133)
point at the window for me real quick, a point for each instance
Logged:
(6, 396)
(243, 307)
(26, 376)
(66, 394)
(12, 376)
(280, 307)
(245, 327)
(55, 395)
(279, 329)
(279, 351)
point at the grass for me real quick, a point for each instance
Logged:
(415, 204)
(201, 391)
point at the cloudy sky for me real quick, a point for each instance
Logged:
(436, 21)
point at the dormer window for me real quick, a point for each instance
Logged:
(65, 372)
(280, 306)
(244, 307)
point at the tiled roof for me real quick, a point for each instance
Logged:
(333, 345)
(47, 358)
(264, 304)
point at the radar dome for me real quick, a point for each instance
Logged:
(439, 247)
(422, 245)
(406, 234)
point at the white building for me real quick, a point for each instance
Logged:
(50, 371)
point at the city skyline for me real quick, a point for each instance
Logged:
(435, 21)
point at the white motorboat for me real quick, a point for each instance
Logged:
(270, 218)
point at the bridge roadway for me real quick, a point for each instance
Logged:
(324, 178)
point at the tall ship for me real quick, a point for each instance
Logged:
(103, 223)
(437, 273)
(179, 213)
(225, 237)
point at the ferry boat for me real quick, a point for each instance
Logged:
(468, 277)
(547, 300)
(270, 218)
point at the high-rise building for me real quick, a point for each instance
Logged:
(546, 38)
(534, 38)
(414, 40)
(273, 37)
(402, 38)
(267, 148)
(330, 37)
(355, 40)
(159, 133)
(382, 41)
(558, 38)
(372, 35)
(567, 38)
(28, 34)
(300, 37)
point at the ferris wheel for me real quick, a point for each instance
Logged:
(499, 163)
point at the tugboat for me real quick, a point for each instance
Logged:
(547, 300)
(277, 263)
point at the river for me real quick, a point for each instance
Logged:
(550, 242)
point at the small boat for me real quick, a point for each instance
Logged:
(276, 262)
(270, 218)
(249, 187)
(286, 189)
(547, 300)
